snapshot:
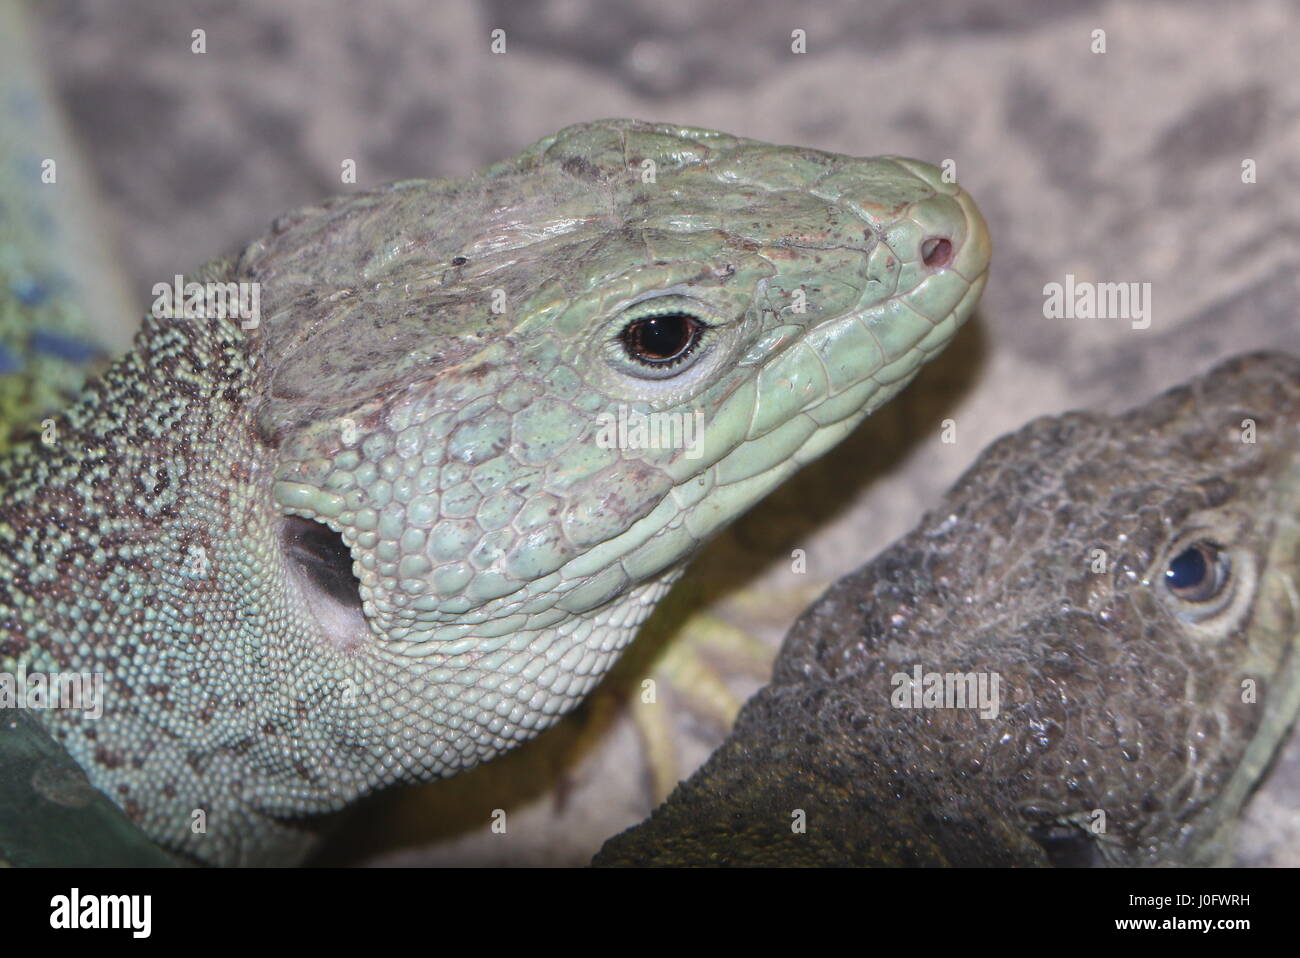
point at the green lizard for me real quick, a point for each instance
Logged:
(399, 523)
(1129, 580)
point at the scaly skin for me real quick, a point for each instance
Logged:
(1045, 565)
(420, 407)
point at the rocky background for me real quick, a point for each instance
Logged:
(1122, 166)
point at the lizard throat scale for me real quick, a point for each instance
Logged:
(378, 538)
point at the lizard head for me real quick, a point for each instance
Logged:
(505, 410)
(1131, 581)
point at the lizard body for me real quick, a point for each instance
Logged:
(1130, 580)
(380, 536)
(63, 309)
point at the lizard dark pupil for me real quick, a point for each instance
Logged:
(660, 340)
(1194, 574)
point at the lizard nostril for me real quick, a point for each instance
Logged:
(1067, 846)
(936, 252)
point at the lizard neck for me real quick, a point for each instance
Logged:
(121, 536)
(95, 511)
(139, 543)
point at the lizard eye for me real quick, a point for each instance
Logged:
(663, 340)
(1198, 574)
(1206, 581)
(666, 343)
(1207, 575)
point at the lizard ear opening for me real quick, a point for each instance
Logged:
(321, 563)
(320, 553)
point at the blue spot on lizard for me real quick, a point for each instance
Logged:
(63, 347)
